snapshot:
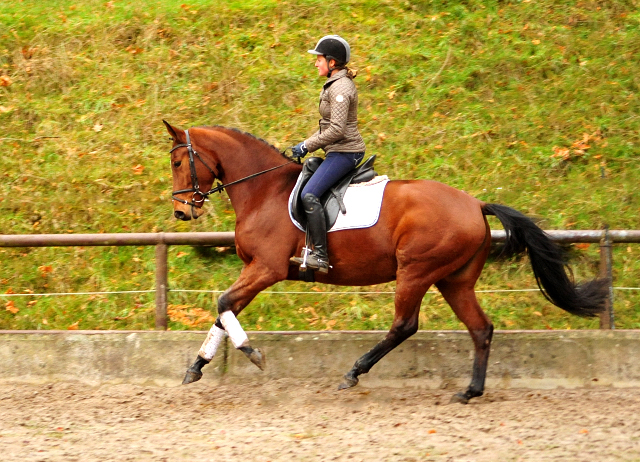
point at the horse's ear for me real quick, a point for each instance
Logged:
(172, 131)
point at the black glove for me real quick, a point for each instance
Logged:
(299, 150)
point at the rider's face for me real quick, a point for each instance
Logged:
(321, 65)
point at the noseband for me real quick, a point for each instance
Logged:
(195, 185)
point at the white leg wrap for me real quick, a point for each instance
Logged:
(211, 343)
(234, 329)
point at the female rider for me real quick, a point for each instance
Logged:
(338, 136)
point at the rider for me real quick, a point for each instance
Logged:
(338, 136)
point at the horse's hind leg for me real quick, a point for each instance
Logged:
(405, 324)
(462, 299)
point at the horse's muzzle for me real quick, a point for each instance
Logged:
(180, 215)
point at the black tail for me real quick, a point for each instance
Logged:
(552, 273)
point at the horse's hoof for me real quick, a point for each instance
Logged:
(459, 398)
(191, 376)
(259, 358)
(348, 382)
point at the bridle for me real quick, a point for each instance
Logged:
(195, 185)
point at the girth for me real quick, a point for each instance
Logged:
(332, 200)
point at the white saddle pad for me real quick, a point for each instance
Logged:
(362, 201)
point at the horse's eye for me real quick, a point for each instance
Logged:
(177, 164)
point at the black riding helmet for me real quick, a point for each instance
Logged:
(333, 47)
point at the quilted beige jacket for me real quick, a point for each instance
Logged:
(339, 124)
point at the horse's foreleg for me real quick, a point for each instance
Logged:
(240, 340)
(462, 300)
(207, 352)
(253, 279)
(405, 324)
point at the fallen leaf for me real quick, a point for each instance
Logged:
(74, 326)
(563, 153)
(582, 246)
(97, 127)
(45, 269)
(191, 317)
(134, 50)
(11, 307)
(138, 169)
(432, 431)
(5, 81)
(584, 431)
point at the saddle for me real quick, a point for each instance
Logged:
(332, 200)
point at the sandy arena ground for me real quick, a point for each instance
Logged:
(286, 420)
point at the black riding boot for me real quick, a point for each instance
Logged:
(318, 259)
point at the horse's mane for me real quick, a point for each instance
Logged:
(241, 132)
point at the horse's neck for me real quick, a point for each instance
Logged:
(242, 158)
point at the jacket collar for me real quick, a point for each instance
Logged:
(335, 76)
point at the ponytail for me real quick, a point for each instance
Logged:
(351, 73)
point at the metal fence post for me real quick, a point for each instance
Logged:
(606, 272)
(162, 284)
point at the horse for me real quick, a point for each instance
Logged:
(427, 234)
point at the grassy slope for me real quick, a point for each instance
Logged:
(474, 94)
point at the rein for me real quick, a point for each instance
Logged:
(195, 189)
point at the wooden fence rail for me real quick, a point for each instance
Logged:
(606, 238)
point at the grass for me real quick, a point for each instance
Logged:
(530, 104)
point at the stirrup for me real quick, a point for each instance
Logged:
(310, 260)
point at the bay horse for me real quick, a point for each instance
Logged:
(427, 234)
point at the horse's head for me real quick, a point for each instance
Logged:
(193, 176)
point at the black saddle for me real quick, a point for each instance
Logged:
(332, 200)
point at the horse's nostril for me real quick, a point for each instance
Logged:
(180, 215)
